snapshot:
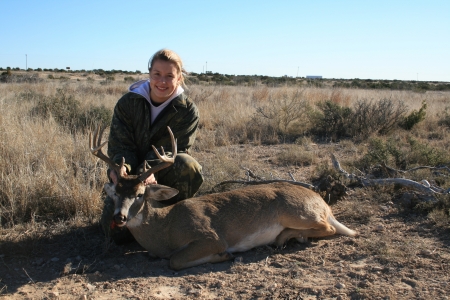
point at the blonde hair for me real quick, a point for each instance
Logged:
(170, 56)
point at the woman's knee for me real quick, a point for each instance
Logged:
(186, 165)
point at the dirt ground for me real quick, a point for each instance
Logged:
(399, 254)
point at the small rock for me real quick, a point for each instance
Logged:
(54, 259)
(379, 228)
(426, 253)
(90, 287)
(272, 288)
(409, 282)
(340, 285)
(259, 293)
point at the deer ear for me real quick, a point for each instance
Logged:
(160, 192)
(110, 190)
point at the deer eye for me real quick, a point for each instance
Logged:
(140, 195)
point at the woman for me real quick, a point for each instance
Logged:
(140, 120)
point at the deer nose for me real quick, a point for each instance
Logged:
(120, 219)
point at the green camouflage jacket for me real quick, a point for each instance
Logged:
(132, 134)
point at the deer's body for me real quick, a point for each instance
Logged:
(211, 227)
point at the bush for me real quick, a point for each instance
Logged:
(376, 117)
(367, 117)
(402, 155)
(281, 111)
(383, 152)
(414, 117)
(69, 114)
(332, 121)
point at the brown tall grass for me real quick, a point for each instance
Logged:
(48, 174)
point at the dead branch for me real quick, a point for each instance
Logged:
(443, 168)
(251, 174)
(423, 186)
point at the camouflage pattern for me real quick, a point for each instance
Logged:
(132, 135)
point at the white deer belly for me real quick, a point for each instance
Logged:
(261, 237)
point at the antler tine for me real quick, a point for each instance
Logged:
(166, 161)
(96, 145)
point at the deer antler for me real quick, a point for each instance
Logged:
(166, 161)
(96, 145)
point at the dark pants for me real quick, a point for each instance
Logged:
(185, 175)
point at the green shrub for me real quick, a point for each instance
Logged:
(414, 117)
(332, 120)
(376, 116)
(423, 154)
(380, 151)
(365, 118)
(402, 155)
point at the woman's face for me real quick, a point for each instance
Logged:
(164, 79)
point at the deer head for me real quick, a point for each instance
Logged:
(128, 193)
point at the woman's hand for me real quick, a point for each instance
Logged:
(114, 177)
(150, 180)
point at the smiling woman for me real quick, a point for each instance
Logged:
(166, 74)
(140, 120)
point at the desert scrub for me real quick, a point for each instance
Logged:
(69, 113)
(366, 117)
(403, 153)
(282, 111)
(331, 121)
(414, 117)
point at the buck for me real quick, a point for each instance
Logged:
(209, 228)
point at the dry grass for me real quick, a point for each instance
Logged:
(48, 174)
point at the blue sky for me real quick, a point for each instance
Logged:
(405, 40)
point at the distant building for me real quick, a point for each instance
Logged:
(313, 77)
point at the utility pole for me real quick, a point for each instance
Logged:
(26, 62)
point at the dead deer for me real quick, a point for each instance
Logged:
(207, 229)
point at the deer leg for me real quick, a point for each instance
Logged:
(302, 235)
(321, 230)
(288, 234)
(200, 252)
